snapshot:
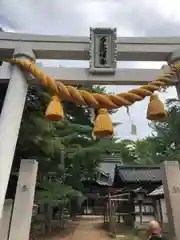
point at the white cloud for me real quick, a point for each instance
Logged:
(132, 18)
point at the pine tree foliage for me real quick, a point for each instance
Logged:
(164, 143)
(54, 193)
(64, 148)
(165, 139)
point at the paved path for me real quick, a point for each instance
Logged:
(89, 230)
(85, 230)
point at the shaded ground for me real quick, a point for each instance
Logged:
(90, 229)
(85, 229)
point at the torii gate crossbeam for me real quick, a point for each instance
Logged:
(75, 76)
(77, 48)
(71, 48)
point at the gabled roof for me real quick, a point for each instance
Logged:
(108, 165)
(107, 183)
(107, 170)
(139, 173)
(157, 191)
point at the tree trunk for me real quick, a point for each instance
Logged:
(48, 217)
(60, 216)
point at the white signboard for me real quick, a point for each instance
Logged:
(103, 50)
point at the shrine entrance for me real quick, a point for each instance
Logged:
(103, 49)
(118, 211)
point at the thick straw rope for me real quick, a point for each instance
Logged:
(96, 100)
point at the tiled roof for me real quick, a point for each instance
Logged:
(108, 165)
(157, 191)
(139, 173)
(105, 178)
(105, 183)
(108, 168)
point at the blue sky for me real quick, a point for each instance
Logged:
(130, 17)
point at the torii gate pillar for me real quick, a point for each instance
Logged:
(173, 59)
(171, 177)
(171, 184)
(24, 199)
(10, 119)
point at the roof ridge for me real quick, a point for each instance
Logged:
(138, 166)
(140, 173)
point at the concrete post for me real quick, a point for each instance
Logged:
(5, 220)
(171, 172)
(24, 200)
(10, 120)
(171, 183)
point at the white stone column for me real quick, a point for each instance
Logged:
(10, 120)
(24, 200)
(171, 176)
(171, 183)
(5, 220)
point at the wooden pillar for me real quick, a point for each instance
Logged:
(160, 211)
(110, 212)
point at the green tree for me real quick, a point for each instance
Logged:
(144, 151)
(65, 148)
(125, 149)
(165, 139)
(164, 144)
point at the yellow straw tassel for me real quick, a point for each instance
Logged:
(103, 126)
(156, 109)
(54, 110)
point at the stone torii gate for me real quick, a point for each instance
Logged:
(102, 49)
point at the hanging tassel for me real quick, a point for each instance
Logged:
(133, 126)
(156, 109)
(54, 110)
(92, 115)
(103, 126)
